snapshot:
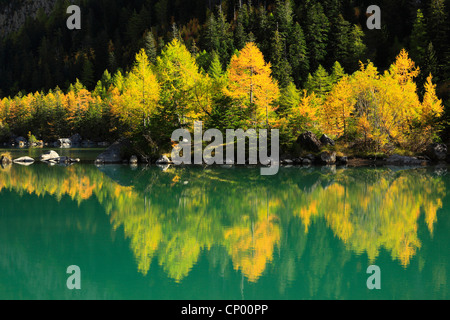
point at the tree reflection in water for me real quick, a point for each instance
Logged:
(173, 216)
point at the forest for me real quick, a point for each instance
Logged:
(141, 69)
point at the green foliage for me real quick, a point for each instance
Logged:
(319, 83)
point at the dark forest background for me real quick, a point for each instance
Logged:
(43, 54)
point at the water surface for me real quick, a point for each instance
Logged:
(221, 233)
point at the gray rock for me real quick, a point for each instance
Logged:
(18, 140)
(327, 157)
(287, 162)
(39, 144)
(404, 160)
(115, 153)
(342, 160)
(66, 160)
(436, 151)
(309, 141)
(76, 139)
(326, 140)
(134, 160)
(306, 162)
(63, 143)
(49, 155)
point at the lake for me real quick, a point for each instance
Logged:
(223, 233)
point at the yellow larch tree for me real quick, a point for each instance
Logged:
(140, 94)
(251, 84)
(338, 108)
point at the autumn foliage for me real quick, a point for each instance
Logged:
(376, 111)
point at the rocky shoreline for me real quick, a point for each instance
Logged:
(314, 152)
(73, 142)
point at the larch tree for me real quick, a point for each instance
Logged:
(430, 113)
(181, 82)
(140, 94)
(250, 82)
(338, 108)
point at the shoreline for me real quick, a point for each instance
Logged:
(350, 162)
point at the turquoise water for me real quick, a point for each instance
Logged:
(217, 233)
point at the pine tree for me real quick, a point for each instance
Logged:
(284, 15)
(437, 30)
(298, 55)
(240, 37)
(428, 66)
(87, 76)
(339, 43)
(211, 37)
(319, 83)
(289, 98)
(317, 30)
(357, 49)
(215, 70)
(419, 38)
(280, 66)
(150, 47)
(337, 72)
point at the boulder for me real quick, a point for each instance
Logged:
(436, 151)
(49, 155)
(37, 144)
(116, 152)
(163, 160)
(134, 160)
(19, 140)
(309, 141)
(306, 162)
(24, 160)
(287, 162)
(327, 157)
(326, 140)
(63, 143)
(404, 160)
(342, 160)
(66, 160)
(76, 139)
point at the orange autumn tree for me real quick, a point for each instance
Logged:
(76, 104)
(250, 83)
